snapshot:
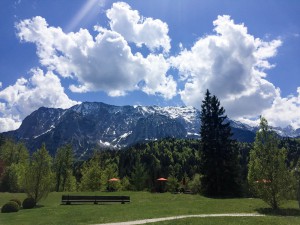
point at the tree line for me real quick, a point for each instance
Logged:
(215, 166)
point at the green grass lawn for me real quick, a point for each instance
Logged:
(145, 205)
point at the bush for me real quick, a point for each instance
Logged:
(17, 201)
(173, 184)
(195, 184)
(10, 207)
(28, 203)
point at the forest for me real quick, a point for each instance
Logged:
(215, 165)
(138, 166)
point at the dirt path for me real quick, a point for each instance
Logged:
(182, 217)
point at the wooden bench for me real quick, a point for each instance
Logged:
(68, 199)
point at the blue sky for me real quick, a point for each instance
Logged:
(151, 52)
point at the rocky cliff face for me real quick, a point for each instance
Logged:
(93, 125)
(98, 125)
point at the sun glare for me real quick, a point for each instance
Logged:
(84, 12)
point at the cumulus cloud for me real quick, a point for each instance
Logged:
(104, 62)
(284, 111)
(230, 63)
(134, 28)
(26, 95)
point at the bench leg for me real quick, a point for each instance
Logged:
(68, 203)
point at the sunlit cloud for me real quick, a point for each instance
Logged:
(26, 95)
(105, 61)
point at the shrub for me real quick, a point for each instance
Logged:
(28, 203)
(195, 184)
(17, 201)
(173, 184)
(10, 207)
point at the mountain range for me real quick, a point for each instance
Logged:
(91, 125)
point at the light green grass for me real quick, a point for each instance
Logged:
(268, 220)
(144, 205)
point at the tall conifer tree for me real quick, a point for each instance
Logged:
(220, 164)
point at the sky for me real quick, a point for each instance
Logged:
(58, 53)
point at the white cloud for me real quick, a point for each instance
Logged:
(25, 96)
(231, 64)
(7, 124)
(134, 28)
(101, 63)
(284, 111)
(155, 81)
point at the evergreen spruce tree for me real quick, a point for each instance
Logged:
(219, 155)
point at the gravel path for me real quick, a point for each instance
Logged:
(181, 217)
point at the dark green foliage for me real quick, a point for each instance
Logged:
(138, 176)
(172, 184)
(244, 150)
(2, 140)
(160, 159)
(18, 201)
(28, 203)
(9, 207)
(219, 153)
(292, 146)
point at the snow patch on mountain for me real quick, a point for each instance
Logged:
(90, 125)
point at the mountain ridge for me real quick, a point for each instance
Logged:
(91, 125)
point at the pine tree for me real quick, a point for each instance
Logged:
(219, 156)
(268, 174)
(138, 176)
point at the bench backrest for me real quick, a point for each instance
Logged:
(92, 198)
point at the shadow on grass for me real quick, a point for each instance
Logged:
(35, 207)
(279, 212)
(82, 204)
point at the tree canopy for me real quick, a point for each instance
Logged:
(268, 173)
(219, 155)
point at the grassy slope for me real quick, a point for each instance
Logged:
(144, 206)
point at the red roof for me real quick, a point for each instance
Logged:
(114, 179)
(162, 179)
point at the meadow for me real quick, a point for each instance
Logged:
(145, 205)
